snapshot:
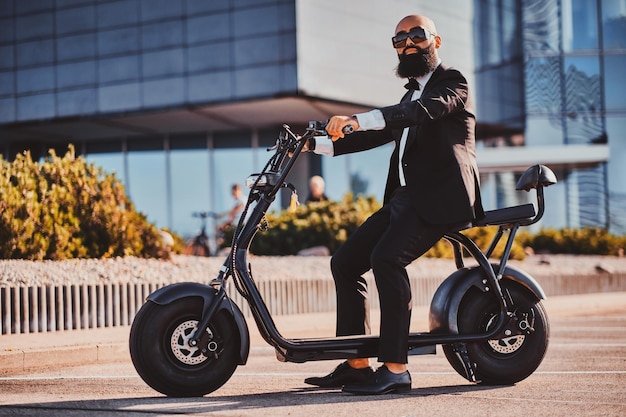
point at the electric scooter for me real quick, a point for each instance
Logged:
(189, 338)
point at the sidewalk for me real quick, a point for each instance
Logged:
(31, 352)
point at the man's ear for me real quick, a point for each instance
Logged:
(437, 41)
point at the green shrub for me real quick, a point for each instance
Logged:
(314, 224)
(64, 208)
(585, 241)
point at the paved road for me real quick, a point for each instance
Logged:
(583, 374)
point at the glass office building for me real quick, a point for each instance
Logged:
(550, 87)
(180, 98)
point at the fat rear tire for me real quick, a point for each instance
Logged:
(505, 361)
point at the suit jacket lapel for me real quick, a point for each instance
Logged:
(413, 129)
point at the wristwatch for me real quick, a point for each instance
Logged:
(311, 144)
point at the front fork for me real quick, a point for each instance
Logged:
(207, 315)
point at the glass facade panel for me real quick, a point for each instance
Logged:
(165, 92)
(36, 52)
(542, 131)
(354, 172)
(118, 97)
(117, 13)
(77, 47)
(164, 62)
(146, 184)
(543, 85)
(76, 74)
(540, 25)
(6, 57)
(78, 19)
(208, 87)
(38, 106)
(7, 87)
(34, 26)
(124, 68)
(161, 9)
(118, 41)
(247, 23)
(616, 172)
(110, 162)
(75, 102)
(194, 7)
(161, 35)
(511, 31)
(208, 28)
(35, 80)
(579, 24)
(583, 99)
(190, 188)
(229, 166)
(614, 84)
(214, 56)
(266, 49)
(7, 29)
(7, 109)
(614, 24)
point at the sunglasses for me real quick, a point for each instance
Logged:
(417, 34)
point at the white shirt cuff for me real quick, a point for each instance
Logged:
(324, 146)
(371, 120)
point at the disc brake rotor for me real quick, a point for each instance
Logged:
(505, 345)
(179, 343)
(508, 344)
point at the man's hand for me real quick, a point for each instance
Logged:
(337, 123)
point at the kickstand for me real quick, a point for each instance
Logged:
(461, 352)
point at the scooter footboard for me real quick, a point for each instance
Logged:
(209, 296)
(444, 307)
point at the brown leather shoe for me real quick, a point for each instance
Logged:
(343, 374)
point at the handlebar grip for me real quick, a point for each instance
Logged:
(347, 129)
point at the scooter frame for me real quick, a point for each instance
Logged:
(444, 306)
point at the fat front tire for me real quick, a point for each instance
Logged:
(508, 360)
(162, 356)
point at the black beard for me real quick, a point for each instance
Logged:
(418, 64)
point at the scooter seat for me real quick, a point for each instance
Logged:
(507, 215)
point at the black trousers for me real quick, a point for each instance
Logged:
(386, 243)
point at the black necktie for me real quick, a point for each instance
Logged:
(412, 84)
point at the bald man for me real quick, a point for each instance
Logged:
(432, 187)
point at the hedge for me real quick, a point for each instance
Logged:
(64, 208)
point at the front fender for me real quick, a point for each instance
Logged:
(445, 304)
(174, 292)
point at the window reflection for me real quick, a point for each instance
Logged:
(583, 99)
(579, 24)
(146, 184)
(365, 171)
(231, 166)
(614, 24)
(190, 188)
(109, 162)
(614, 85)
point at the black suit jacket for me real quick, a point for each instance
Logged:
(440, 157)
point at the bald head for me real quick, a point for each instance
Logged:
(411, 21)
